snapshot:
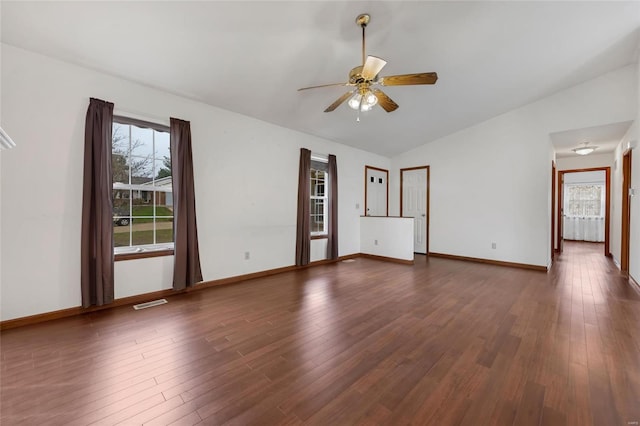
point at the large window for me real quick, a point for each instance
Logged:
(142, 191)
(585, 200)
(319, 201)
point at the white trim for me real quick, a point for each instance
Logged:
(325, 207)
(143, 248)
(142, 187)
(5, 140)
(138, 116)
(322, 158)
(615, 261)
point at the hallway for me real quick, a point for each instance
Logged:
(599, 319)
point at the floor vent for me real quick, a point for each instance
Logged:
(149, 304)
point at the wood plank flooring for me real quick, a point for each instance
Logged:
(442, 342)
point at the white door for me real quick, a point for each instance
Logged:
(414, 204)
(376, 192)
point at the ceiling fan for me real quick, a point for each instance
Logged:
(363, 78)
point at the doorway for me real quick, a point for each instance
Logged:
(553, 209)
(414, 202)
(626, 211)
(376, 191)
(570, 216)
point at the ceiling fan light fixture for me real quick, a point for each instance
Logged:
(364, 102)
(585, 150)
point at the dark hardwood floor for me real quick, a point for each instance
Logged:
(443, 342)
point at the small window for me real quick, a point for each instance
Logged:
(142, 187)
(585, 200)
(319, 200)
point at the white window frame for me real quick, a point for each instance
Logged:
(142, 248)
(325, 198)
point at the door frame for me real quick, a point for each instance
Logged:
(626, 212)
(366, 169)
(607, 209)
(553, 210)
(428, 169)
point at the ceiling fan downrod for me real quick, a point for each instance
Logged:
(362, 20)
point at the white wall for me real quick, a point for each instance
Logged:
(139, 276)
(0, 223)
(616, 192)
(634, 248)
(629, 141)
(596, 177)
(0, 178)
(488, 185)
(585, 161)
(634, 240)
(492, 182)
(318, 249)
(387, 236)
(245, 175)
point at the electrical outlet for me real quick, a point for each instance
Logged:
(246, 255)
(375, 242)
(357, 206)
(493, 245)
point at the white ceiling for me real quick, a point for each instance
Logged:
(605, 137)
(250, 57)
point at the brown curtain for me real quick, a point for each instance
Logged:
(303, 232)
(332, 242)
(186, 268)
(96, 256)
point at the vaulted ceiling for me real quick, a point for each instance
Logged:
(250, 57)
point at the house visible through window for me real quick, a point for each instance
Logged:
(319, 202)
(142, 191)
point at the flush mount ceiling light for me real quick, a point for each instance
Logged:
(584, 150)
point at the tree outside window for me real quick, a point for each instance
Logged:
(142, 186)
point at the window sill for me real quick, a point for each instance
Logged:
(320, 237)
(143, 255)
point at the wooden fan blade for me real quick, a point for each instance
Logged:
(384, 101)
(339, 101)
(326, 85)
(408, 79)
(372, 67)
